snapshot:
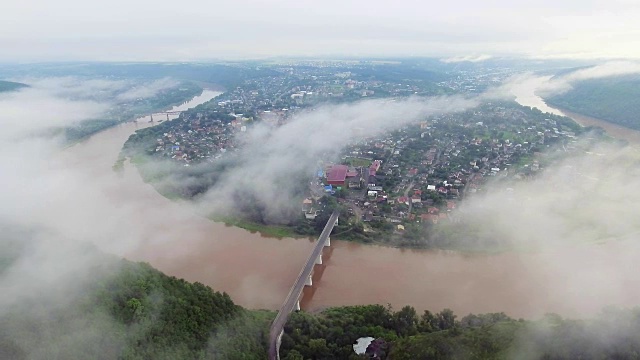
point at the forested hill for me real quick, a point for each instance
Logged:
(614, 99)
(407, 335)
(134, 312)
(10, 86)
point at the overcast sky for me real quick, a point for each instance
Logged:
(149, 30)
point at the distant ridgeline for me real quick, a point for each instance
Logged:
(10, 86)
(613, 99)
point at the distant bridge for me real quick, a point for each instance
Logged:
(167, 113)
(292, 302)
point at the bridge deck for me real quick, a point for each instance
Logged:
(296, 290)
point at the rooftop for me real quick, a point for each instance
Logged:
(337, 173)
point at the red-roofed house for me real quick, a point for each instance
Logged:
(375, 166)
(337, 175)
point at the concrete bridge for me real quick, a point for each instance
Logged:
(167, 113)
(292, 302)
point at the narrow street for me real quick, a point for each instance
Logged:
(406, 194)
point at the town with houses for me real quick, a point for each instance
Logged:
(420, 174)
(415, 176)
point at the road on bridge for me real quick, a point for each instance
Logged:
(296, 290)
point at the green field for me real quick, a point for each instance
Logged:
(356, 161)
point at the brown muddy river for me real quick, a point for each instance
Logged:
(257, 271)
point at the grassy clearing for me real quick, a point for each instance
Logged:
(277, 231)
(356, 161)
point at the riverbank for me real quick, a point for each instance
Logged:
(525, 94)
(273, 231)
(614, 130)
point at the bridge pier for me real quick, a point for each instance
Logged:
(292, 301)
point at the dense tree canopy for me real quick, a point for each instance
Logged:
(136, 313)
(405, 335)
(611, 99)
